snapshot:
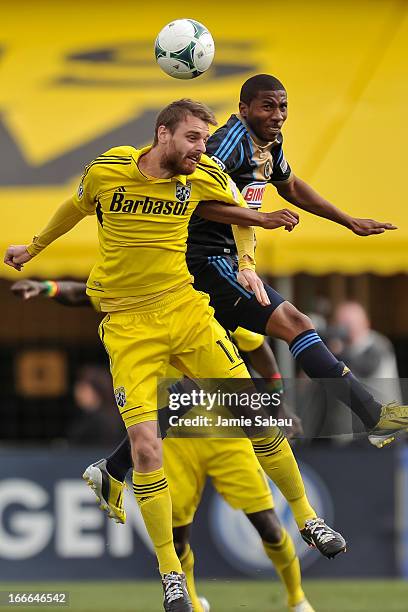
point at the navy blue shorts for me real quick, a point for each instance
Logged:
(234, 306)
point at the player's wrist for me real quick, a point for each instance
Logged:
(246, 263)
(49, 288)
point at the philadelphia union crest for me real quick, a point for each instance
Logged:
(183, 192)
(120, 396)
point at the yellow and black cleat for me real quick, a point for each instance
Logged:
(393, 421)
(108, 490)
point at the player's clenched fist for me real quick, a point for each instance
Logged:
(16, 256)
(280, 218)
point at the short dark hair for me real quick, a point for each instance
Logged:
(257, 83)
(177, 111)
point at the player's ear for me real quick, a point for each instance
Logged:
(243, 109)
(162, 134)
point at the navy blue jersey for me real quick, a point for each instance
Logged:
(252, 166)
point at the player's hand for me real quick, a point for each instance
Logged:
(251, 282)
(366, 227)
(27, 289)
(17, 256)
(280, 218)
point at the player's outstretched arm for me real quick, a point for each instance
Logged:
(302, 195)
(221, 213)
(69, 293)
(64, 219)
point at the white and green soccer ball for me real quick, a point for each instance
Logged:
(184, 49)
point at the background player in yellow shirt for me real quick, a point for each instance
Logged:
(143, 200)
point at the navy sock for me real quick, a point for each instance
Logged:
(120, 461)
(318, 362)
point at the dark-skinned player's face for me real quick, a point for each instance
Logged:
(266, 113)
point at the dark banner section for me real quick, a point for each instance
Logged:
(51, 528)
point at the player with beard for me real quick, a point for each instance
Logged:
(143, 200)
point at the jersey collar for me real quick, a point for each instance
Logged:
(259, 143)
(181, 178)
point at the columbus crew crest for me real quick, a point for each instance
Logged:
(183, 192)
(120, 397)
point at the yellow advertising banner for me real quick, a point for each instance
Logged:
(79, 77)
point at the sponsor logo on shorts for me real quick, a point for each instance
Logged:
(120, 397)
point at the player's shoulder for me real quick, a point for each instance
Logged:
(226, 139)
(208, 171)
(120, 156)
(117, 160)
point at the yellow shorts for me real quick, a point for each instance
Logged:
(179, 330)
(230, 463)
(246, 340)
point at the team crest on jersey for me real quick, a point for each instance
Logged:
(183, 192)
(268, 170)
(120, 397)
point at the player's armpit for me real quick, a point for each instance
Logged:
(64, 219)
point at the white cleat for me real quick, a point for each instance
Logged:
(204, 604)
(303, 606)
(108, 490)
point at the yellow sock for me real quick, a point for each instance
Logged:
(283, 557)
(152, 494)
(277, 459)
(187, 565)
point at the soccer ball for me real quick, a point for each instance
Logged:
(184, 49)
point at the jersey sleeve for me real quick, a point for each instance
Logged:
(85, 198)
(217, 185)
(282, 172)
(225, 148)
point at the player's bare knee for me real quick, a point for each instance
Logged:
(146, 455)
(287, 322)
(267, 525)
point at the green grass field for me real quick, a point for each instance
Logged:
(226, 596)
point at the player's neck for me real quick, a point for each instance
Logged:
(149, 165)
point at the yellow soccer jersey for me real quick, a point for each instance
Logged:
(143, 224)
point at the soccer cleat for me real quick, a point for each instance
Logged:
(205, 604)
(319, 535)
(108, 490)
(175, 594)
(303, 606)
(393, 420)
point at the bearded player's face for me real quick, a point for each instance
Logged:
(182, 150)
(266, 113)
